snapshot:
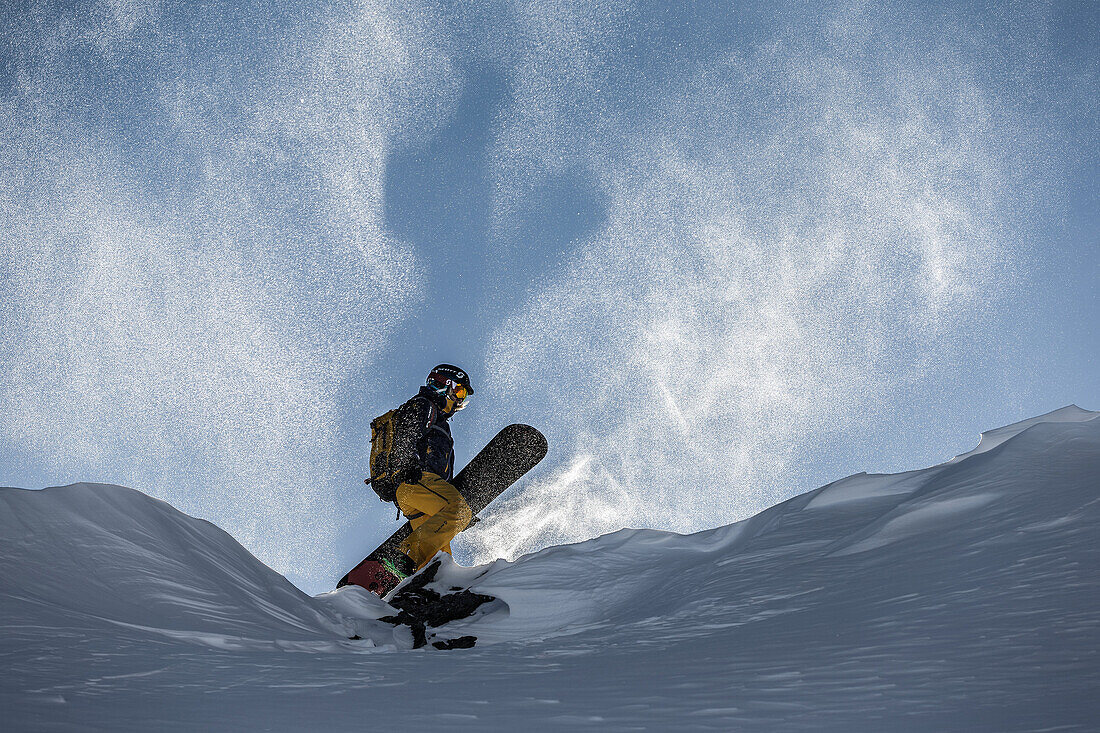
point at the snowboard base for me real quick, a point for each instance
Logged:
(372, 575)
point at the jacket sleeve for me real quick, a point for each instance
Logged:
(411, 425)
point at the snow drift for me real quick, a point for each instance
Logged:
(959, 597)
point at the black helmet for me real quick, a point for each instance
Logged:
(453, 383)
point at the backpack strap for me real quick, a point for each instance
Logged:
(433, 414)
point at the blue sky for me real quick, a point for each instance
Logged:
(719, 255)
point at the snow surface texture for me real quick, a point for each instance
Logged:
(959, 597)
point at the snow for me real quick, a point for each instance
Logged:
(993, 438)
(958, 597)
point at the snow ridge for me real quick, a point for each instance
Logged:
(958, 597)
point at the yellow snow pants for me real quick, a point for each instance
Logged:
(442, 511)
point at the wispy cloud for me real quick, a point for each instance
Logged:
(799, 229)
(189, 339)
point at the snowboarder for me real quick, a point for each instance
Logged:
(422, 467)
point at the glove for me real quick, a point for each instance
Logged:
(409, 475)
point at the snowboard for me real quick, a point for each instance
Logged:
(512, 452)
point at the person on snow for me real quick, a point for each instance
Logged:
(422, 460)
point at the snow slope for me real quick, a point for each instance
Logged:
(959, 597)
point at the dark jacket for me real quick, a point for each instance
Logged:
(422, 436)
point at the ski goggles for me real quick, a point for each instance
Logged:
(458, 392)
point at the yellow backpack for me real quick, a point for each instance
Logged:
(382, 429)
